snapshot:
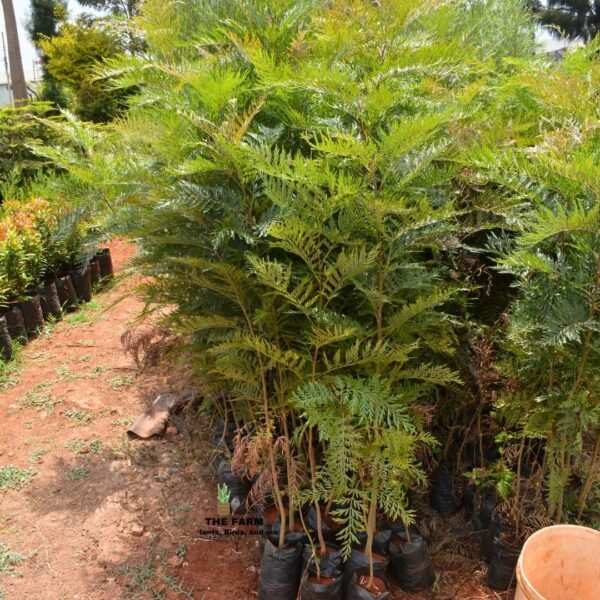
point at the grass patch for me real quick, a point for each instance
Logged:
(14, 478)
(87, 313)
(79, 473)
(146, 581)
(176, 585)
(39, 399)
(120, 382)
(9, 560)
(65, 374)
(138, 452)
(76, 446)
(95, 446)
(124, 421)
(179, 514)
(80, 416)
(79, 446)
(9, 370)
(36, 454)
(180, 508)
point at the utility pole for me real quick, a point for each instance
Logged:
(19, 85)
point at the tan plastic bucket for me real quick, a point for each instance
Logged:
(560, 563)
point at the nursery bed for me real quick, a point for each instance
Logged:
(104, 518)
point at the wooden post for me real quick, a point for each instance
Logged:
(17, 75)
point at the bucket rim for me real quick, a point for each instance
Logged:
(522, 579)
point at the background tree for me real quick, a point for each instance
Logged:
(574, 18)
(46, 16)
(120, 8)
(72, 56)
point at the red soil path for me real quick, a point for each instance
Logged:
(105, 518)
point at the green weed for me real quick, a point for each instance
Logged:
(86, 314)
(95, 446)
(76, 446)
(79, 415)
(39, 399)
(176, 585)
(9, 559)
(9, 371)
(120, 382)
(14, 478)
(79, 473)
(65, 374)
(179, 508)
(36, 454)
(144, 580)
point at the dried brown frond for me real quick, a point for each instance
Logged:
(241, 442)
(149, 346)
(296, 475)
(261, 489)
(249, 453)
(526, 512)
(426, 412)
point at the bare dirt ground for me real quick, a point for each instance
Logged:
(105, 518)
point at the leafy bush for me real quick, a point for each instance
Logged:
(20, 129)
(330, 195)
(37, 238)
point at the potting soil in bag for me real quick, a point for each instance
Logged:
(501, 574)
(280, 572)
(94, 271)
(381, 541)
(15, 323)
(5, 341)
(358, 592)
(297, 536)
(32, 315)
(66, 292)
(237, 486)
(310, 520)
(468, 498)
(329, 563)
(359, 561)
(327, 588)
(484, 505)
(442, 491)
(50, 302)
(497, 526)
(82, 282)
(411, 563)
(105, 263)
(225, 434)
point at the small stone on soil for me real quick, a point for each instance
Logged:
(175, 561)
(136, 529)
